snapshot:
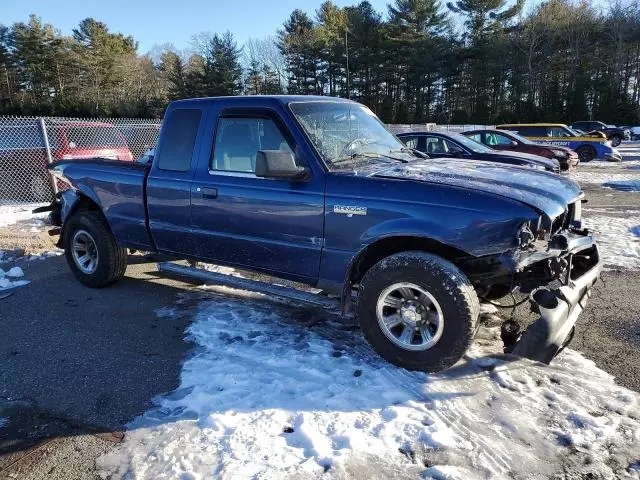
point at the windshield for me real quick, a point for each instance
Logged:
(469, 143)
(574, 133)
(344, 132)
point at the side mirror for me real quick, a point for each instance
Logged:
(514, 144)
(279, 164)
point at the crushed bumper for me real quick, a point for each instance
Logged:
(559, 308)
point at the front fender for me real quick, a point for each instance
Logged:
(477, 237)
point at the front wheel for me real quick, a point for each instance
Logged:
(616, 140)
(586, 153)
(418, 311)
(91, 250)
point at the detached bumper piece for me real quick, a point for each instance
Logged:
(613, 157)
(560, 308)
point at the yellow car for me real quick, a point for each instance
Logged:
(587, 147)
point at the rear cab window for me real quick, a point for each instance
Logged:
(178, 141)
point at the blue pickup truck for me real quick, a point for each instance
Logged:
(316, 190)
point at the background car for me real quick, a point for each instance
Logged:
(559, 135)
(615, 134)
(456, 145)
(78, 140)
(24, 159)
(140, 137)
(512, 142)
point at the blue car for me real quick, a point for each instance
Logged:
(316, 190)
(588, 147)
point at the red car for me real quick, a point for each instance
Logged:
(76, 140)
(506, 140)
(23, 154)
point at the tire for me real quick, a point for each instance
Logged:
(616, 140)
(84, 228)
(586, 153)
(443, 294)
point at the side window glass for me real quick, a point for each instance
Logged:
(411, 142)
(435, 145)
(477, 137)
(502, 140)
(452, 147)
(238, 141)
(179, 140)
(557, 132)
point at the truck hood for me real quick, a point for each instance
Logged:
(546, 192)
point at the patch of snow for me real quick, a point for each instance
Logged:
(600, 178)
(617, 238)
(48, 254)
(624, 185)
(12, 214)
(271, 397)
(15, 272)
(5, 283)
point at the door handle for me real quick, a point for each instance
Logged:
(208, 192)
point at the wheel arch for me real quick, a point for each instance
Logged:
(80, 203)
(384, 247)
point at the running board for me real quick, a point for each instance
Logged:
(241, 283)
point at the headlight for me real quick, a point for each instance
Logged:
(560, 153)
(608, 143)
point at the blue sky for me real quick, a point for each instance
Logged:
(168, 21)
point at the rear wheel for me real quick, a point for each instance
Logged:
(91, 250)
(418, 311)
(586, 153)
(616, 140)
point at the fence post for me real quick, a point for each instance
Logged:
(45, 136)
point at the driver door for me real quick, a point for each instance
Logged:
(273, 225)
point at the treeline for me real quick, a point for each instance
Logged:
(469, 61)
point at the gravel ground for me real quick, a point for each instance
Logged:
(78, 364)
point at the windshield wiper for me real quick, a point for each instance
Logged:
(357, 156)
(413, 151)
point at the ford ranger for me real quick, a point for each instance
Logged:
(316, 190)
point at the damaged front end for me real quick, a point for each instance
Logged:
(557, 263)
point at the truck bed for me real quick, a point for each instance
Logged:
(119, 189)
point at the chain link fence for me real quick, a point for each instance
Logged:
(29, 144)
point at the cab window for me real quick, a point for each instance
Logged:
(411, 142)
(497, 139)
(556, 132)
(239, 139)
(533, 131)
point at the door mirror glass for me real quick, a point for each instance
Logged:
(279, 164)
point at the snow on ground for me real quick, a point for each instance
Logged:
(7, 279)
(12, 214)
(617, 237)
(269, 395)
(589, 176)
